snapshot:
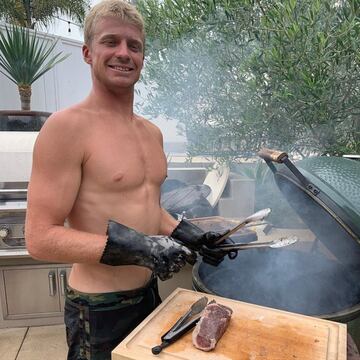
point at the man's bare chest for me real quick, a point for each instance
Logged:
(124, 161)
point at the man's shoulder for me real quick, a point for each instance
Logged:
(64, 128)
(66, 120)
(152, 128)
(148, 123)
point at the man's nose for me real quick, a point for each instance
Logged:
(122, 51)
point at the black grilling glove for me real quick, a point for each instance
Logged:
(162, 254)
(214, 256)
(204, 242)
(193, 237)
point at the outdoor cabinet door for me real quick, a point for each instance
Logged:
(31, 292)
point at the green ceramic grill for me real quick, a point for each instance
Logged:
(320, 277)
(325, 192)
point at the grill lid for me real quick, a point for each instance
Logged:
(325, 192)
(339, 177)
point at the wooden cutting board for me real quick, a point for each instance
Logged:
(254, 333)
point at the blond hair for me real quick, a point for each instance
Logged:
(115, 8)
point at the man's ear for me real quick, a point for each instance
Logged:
(86, 54)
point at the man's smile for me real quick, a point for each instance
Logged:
(121, 68)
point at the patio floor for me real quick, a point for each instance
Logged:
(33, 343)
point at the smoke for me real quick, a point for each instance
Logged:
(313, 278)
(289, 280)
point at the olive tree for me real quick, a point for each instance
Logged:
(241, 74)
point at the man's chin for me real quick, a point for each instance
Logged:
(120, 85)
(124, 81)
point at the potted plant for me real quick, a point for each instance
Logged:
(24, 58)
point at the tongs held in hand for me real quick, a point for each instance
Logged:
(284, 241)
(182, 326)
(259, 215)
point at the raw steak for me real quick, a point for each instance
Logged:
(212, 325)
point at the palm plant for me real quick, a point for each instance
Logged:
(24, 58)
(30, 13)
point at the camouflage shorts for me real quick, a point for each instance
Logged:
(97, 323)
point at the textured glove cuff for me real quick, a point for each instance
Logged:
(108, 256)
(124, 246)
(188, 233)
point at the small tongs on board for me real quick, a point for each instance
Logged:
(182, 326)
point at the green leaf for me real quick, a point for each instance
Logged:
(24, 57)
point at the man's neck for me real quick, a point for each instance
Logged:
(121, 101)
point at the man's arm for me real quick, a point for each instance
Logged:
(53, 188)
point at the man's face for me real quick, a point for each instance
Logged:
(116, 53)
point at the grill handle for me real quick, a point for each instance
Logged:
(272, 155)
(62, 282)
(281, 157)
(52, 286)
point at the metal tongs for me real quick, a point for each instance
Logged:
(259, 215)
(284, 241)
(182, 326)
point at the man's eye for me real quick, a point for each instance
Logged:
(109, 43)
(135, 47)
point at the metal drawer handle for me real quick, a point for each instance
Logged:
(62, 282)
(52, 286)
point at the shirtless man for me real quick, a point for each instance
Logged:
(99, 166)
